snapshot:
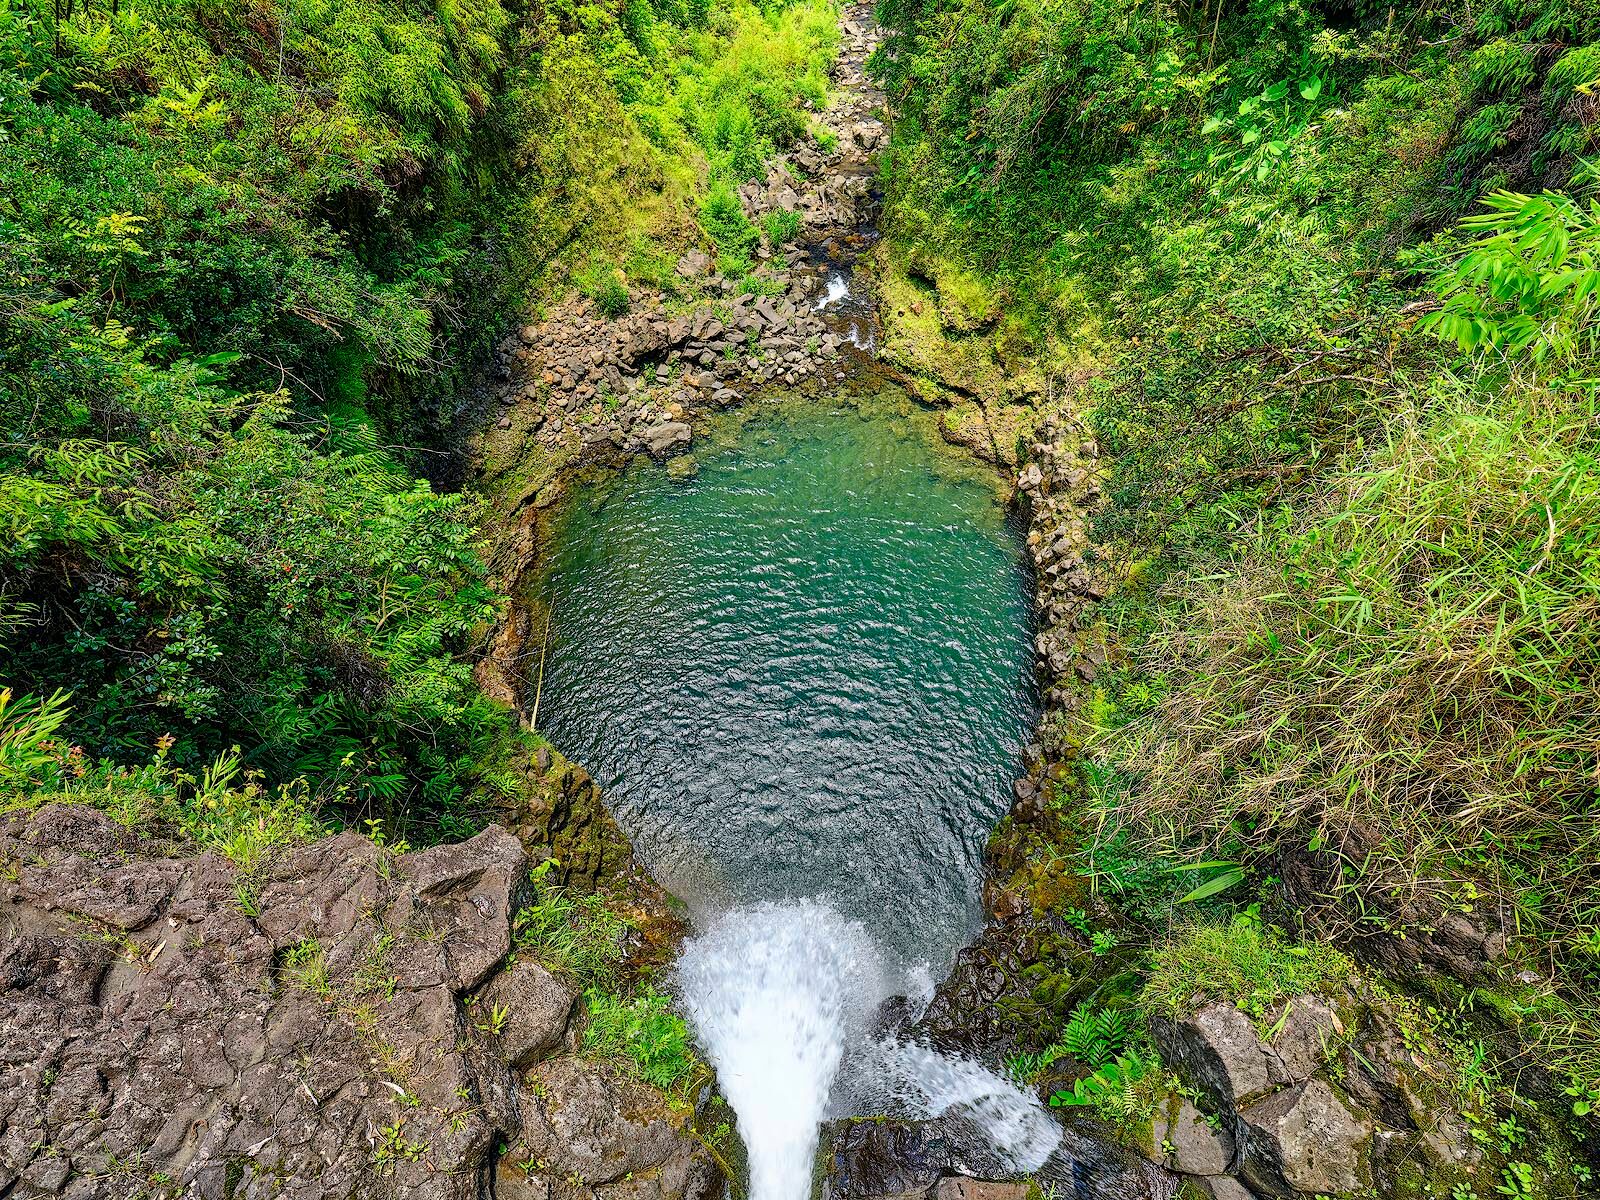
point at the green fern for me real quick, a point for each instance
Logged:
(1025, 1068)
(1095, 1037)
(1112, 1089)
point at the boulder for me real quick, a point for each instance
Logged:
(1218, 1051)
(1307, 1035)
(1193, 1145)
(472, 890)
(1303, 1139)
(537, 1005)
(665, 439)
(1226, 1187)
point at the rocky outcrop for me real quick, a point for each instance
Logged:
(1315, 1106)
(1061, 486)
(343, 1022)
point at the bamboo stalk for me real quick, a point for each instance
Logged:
(544, 647)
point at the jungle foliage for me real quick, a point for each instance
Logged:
(1334, 267)
(250, 257)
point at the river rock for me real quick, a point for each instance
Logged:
(662, 440)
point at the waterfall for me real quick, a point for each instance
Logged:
(1020, 1135)
(775, 993)
(778, 994)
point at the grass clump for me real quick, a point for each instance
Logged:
(629, 1024)
(642, 1033)
(607, 287)
(1239, 962)
(780, 226)
(580, 936)
(1406, 664)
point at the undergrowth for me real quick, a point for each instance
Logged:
(1334, 271)
(222, 807)
(641, 1032)
(1241, 963)
(578, 935)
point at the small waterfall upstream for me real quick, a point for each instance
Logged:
(782, 995)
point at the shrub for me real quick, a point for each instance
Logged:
(780, 226)
(724, 219)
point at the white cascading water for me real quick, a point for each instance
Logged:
(925, 1083)
(778, 993)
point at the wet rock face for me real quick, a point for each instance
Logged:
(886, 1158)
(326, 1032)
(949, 1158)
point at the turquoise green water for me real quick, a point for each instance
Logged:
(800, 672)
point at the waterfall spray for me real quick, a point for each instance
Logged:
(779, 993)
(776, 992)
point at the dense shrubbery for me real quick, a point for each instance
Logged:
(1357, 560)
(222, 807)
(248, 257)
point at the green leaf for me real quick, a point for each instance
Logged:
(1311, 88)
(1214, 886)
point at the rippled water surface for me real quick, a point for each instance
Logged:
(799, 673)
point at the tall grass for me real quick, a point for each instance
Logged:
(1402, 671)
(579, 936)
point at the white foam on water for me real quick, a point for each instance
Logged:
(930, 1084)
(779, 995)
(838, 289)
(776, 992)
